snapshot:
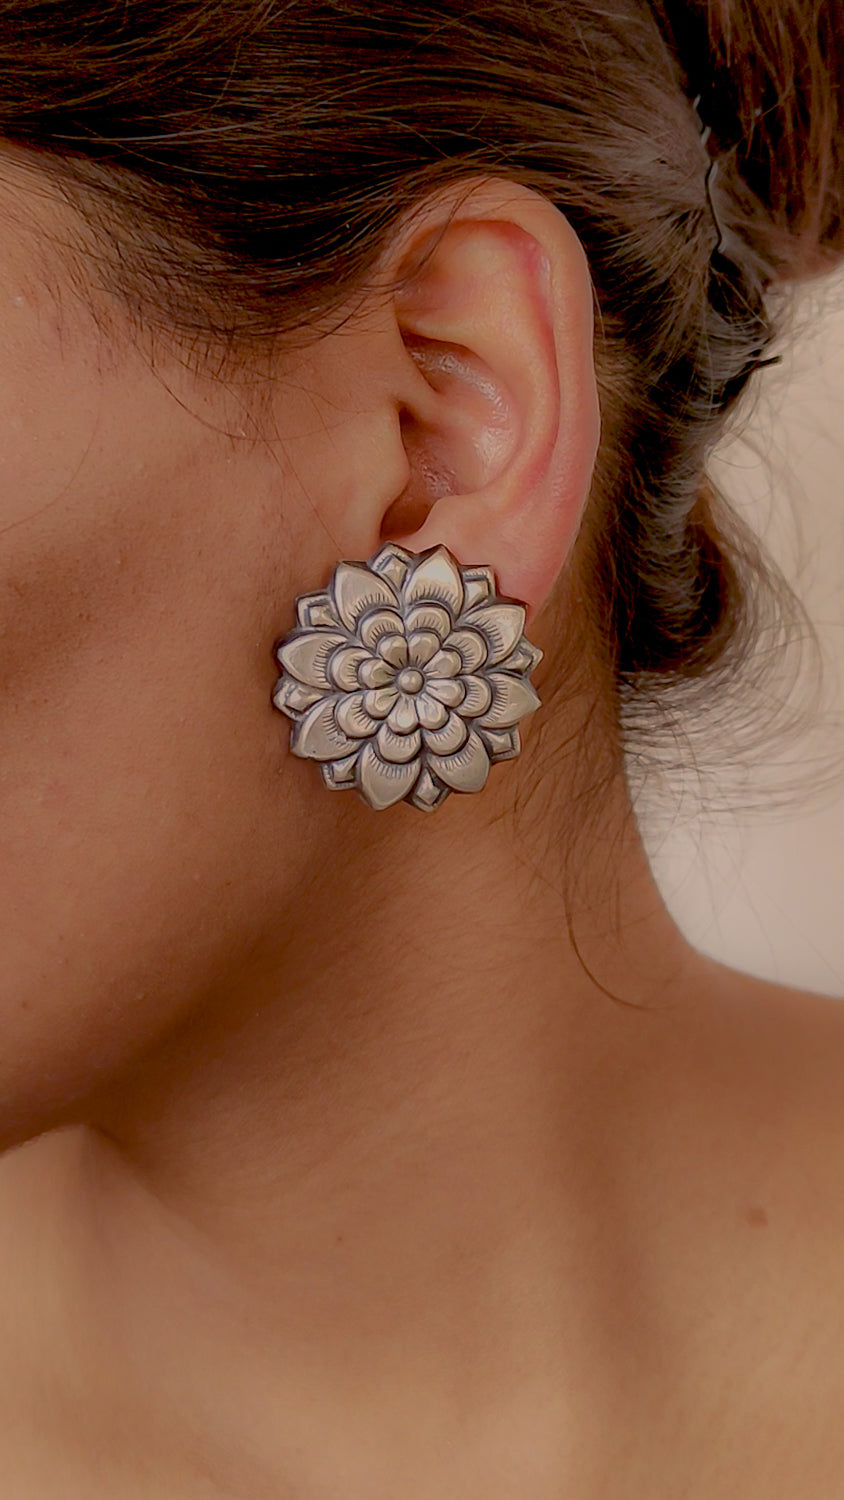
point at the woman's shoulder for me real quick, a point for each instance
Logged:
(737, 1280)
(790, 1041)
(748, 1237)
(766, 1076)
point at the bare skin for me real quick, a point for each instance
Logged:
(650, 1302)
(332, 1168)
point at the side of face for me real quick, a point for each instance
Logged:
(152, 542)
(156, 526)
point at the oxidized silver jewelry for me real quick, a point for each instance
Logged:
(406, 677)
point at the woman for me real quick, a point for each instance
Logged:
(355, 1144)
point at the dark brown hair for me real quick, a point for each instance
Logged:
(238, 164)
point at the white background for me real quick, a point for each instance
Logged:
(761, 886)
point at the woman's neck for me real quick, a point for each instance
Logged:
(418, 1000)
(371, 1173)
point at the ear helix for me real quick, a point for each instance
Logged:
(406, 677)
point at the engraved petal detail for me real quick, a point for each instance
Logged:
(352, 717)
(445, 664)
(403, 716)
(375, 672)
(432, 713)
(397, 747)
(355, 590)
(306, 656)
(472, 647)
(449, 690)
(379, 701)
(384, 782)
(343, 667)
(429, 617)
(381, 622)
(467, 769)
(512, 698)
(393, 648)
(502, 624)
(478, 696)
(451, 737)
(437, 578)
(421, 646)
(317, 735)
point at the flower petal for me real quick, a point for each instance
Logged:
(380, 622)
(429, 617)
(379, 701)
(501, 624)
(292, 696)
(523, 659)
(393, 648)
(317, 736)
(392, 562)
(384, 782)
(355, 590)
(421, 646)
(397, 747)
(512, 698)
(306, 655)
(451, 737)
(375, 672)
(502, 744)
(316, 610)
(467, 769)
(427, 792)
(478, 696)
(403, 716)
(432, 713)
(444, 664)
(449, 690)
(436, 578)
(340, 773)
(472, 647)
(352, 717)
(343, 667)
(478, 583)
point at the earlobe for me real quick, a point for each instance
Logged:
(502, 434)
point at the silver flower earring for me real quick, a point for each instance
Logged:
(406, 677)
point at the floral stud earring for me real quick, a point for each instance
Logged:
(406, 677)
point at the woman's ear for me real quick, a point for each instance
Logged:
(494, 308)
